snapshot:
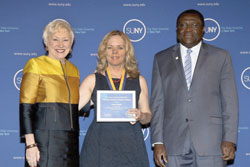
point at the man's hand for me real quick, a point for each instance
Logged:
(228, 150)
(160, 155)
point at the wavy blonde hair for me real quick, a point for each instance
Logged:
(130, 64)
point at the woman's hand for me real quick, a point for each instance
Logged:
(32, 156)
(32, 152)
(137, 115)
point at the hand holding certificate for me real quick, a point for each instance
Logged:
(113, 106)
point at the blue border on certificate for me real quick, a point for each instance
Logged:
(112, 106)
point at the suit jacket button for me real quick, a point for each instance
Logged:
(189, 100)
(186, 120)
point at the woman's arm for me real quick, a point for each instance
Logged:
(28, 96)
(143, 113)
(86, 89)
(144, 108)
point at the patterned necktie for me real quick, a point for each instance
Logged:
(188, 68)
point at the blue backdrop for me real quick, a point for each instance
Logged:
(151, 26)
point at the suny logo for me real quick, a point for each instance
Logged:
(135, 29)
(212, 31)
(17, 79)
(245, 78)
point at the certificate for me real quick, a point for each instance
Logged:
(113, 106)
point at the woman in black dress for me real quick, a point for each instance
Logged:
(49, 99)
(113, 144)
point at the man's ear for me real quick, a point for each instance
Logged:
(203, 30)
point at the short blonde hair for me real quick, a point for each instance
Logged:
(130, 64)
(54, 26)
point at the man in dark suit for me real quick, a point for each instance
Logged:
(194, 100)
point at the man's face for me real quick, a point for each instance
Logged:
(190, 30)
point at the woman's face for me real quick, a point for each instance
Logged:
(115, 51)
(59, 44)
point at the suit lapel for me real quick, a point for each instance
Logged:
(176, 56)
(201, 59)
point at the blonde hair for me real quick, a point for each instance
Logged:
(54, 26)
(130, 64)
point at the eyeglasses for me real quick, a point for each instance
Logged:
(185, 25)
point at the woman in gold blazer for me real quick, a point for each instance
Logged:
(49, 98)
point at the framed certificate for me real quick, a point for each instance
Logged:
(113, 106)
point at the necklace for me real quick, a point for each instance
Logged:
(111, 82)
(116, 81)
